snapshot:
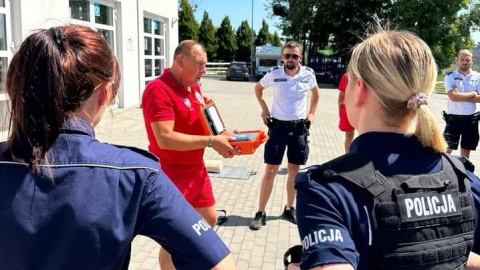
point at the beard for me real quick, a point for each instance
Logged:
(291, 65)
(464, 68)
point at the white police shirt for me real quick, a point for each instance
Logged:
(289, 93)
(464, 84)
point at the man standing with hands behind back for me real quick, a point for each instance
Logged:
(288, 124)
(171, 109)
(462, 86)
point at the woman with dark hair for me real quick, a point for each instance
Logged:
(68, 201)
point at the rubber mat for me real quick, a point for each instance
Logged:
(233, 173)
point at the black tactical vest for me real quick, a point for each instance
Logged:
(419, 222)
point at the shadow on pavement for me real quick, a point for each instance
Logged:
(236, 221)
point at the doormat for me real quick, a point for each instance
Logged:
(233, 173)
(221, 218)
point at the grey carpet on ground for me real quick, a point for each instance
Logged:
(233, 173)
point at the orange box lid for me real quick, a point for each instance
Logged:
(213, 125)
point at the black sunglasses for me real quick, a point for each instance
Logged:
(288, 55)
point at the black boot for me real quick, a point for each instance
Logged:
(259, 220)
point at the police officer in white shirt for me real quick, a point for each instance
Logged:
(288, 124)
(462, 87)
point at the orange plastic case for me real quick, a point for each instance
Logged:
(213, 125)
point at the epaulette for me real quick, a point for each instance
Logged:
(273, 68)
(310, 69)
(139, 151)
(449, 73)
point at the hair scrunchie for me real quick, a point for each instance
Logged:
(417, 100)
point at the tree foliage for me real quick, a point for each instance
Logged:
(244, 37)
(444, 30)
(187, 25)
(226, 41)
(444, 25)
(206, 36)
(276, 41)
(222, 43)
(264, 35)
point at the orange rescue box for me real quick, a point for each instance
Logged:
(246, 142)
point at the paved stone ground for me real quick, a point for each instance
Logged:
(252, 250)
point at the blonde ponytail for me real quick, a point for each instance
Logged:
(428, 131)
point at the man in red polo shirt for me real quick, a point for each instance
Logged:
(344, 125)
(171, 112)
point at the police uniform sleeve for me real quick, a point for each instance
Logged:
(322, 225)
(313, 78)
(168, 218)
(475, 187)
(449, 82)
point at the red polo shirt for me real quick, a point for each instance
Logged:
(165, 99)
(342, 86)
(344, 124)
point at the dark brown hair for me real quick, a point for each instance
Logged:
(49, 78)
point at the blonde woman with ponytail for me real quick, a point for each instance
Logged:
(396, 201)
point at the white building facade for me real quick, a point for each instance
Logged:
(143, 34)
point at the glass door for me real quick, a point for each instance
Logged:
(6, 47)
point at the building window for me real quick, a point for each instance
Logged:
(98, 14)
(80, 10)
(5, 56)
(154, 47)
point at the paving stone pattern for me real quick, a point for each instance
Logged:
(252, 250)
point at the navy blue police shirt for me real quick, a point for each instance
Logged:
(333, 218)
(97, 199)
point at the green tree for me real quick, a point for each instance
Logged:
(206, 36)
(226, 41)
(445, 29)
(264, 35)
(187, 26)
(318, 24)
(297, 22)
(276, 41)
(244, 38)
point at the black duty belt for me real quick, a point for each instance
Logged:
(300, 124)
(461, 118)
(275, 123)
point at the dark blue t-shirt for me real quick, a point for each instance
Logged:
(333, 217)
(93, 199)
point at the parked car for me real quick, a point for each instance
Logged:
(328, 69)
(336, 75)
(238, 70)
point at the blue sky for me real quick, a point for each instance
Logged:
(476, 36)
(237, 11)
